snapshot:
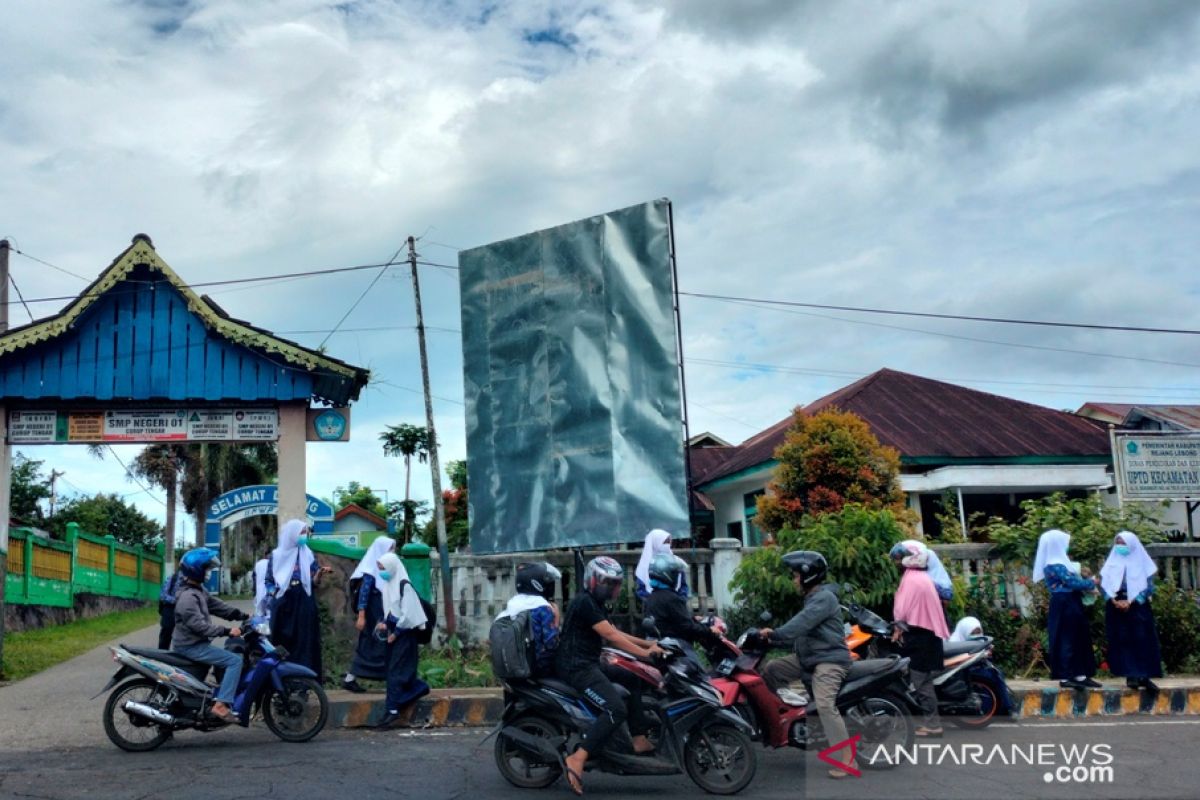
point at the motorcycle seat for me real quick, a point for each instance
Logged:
(861, 669)
(165, 656)
(951, 649)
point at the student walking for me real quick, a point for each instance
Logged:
(292, 574)
(370, 653)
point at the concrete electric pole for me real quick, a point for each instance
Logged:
(5, 450)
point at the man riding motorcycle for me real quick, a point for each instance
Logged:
(671, 615)
(818, 635)
(195, 630)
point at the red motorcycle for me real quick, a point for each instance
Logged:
(875, 701)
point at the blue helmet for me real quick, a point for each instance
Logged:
(194, 564)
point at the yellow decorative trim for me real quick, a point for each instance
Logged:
(142, 253)
(1064, 705)
(1095, 704)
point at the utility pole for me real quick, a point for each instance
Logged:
(54, 476)
(439, 511)
(5, 450)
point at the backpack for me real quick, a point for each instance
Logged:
(511, 639)
(425, 634)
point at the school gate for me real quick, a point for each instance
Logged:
(138, 357)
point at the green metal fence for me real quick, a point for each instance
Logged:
(45, 572)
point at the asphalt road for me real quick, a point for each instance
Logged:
(1151, 758)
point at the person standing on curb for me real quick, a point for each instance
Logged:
(370, 654)
(920, 629)
(403, 616)
(1127, 579)
(1071, 657)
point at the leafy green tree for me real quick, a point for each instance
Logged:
(161, 465)
(361, 496)
(107, 515)
(406, 441)
(29, 488)
(210, 469)
(827, 461)
(457, 472)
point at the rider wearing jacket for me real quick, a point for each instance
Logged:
(670, 611)
(819, 637)
(194, 628)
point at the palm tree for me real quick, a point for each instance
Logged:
(161, 464)
(408, 441)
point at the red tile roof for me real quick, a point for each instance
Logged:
(924, 418)
(353, 508)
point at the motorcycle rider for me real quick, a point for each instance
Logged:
(585, 630)
(670, 611)
(821, 656)
(535, 594)
(195, 630)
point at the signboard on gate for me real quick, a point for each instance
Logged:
(144, 425)
(1157, 466)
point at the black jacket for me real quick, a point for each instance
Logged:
(673, 619)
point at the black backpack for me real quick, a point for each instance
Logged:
(425, 634)
(511, 640)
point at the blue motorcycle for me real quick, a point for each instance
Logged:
(167, 692)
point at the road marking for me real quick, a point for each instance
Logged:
(1083, 724)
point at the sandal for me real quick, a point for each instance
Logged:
(930, 733)
(838, 774)
(574, 781)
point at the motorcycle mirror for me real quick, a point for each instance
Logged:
(765, 617)
(650, 626)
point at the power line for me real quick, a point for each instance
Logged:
(374, 329)
(20, 297)
(931, 315)
(48, 264)
(354, 305)
(129, 474)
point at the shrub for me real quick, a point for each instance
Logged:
(1177, 616)
(855, 541)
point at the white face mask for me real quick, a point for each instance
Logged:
(207, 574)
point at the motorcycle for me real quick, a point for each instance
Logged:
(167, 692)
(971, 690)
(875, 700)
(544, 720)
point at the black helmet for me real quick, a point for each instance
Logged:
(810, 565)
(666, 568)
(537, 577)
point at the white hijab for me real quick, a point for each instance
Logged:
(284, 557)
(1052, 549)
(965, 629)
(1135, 568)
(658, 542)
(522, 602)
(937, 573)
(400, 601)
(376, 551)
(260, 587)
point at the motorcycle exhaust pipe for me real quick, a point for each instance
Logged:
(143, 710)
(534, 745)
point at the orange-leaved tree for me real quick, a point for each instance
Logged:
(826, 461)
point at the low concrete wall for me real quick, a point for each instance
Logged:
(19, 618)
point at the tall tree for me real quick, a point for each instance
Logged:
(361, 496)
(107, 515)
(29, 488)
(826, 461)
(407, 441)
(161, 464)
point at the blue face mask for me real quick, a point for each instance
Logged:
(385, 574)
(1121, 549)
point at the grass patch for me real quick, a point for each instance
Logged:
(449, 668)
(30, 652)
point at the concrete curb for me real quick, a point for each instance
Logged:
(447, 708)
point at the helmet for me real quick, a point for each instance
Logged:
(602, 577)
(810, 565)
(196, 562)
(538, 577)
(665, 569)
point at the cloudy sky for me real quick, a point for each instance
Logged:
(1032, 160)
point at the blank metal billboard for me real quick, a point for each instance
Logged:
(574, 425)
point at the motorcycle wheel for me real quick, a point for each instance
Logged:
(883, 723)
(727, 766)
(130, 731)
(298, 713)
(521, 768)
(988, 703)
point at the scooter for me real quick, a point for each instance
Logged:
(971, 690)
(168, 693)
(875, 701)
(544, 720)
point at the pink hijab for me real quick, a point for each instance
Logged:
(917, 603)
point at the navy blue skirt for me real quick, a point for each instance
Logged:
(296, 626)
(1133, 650)
(370, 654)
(1070, 652)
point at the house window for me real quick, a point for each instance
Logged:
(750, 509)
(734, 531)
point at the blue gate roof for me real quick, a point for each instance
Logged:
(139, 333)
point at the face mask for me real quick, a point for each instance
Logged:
(1122, 549)
(207, 574)
(385, 574)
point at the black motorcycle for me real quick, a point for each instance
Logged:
(544, 720)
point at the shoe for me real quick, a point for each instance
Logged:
(353, 686)
(1072, 684)
(1133, 683)
(1149, 685)
(1092, 683)
(389, 719)
(225, 715)
(792, 697)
